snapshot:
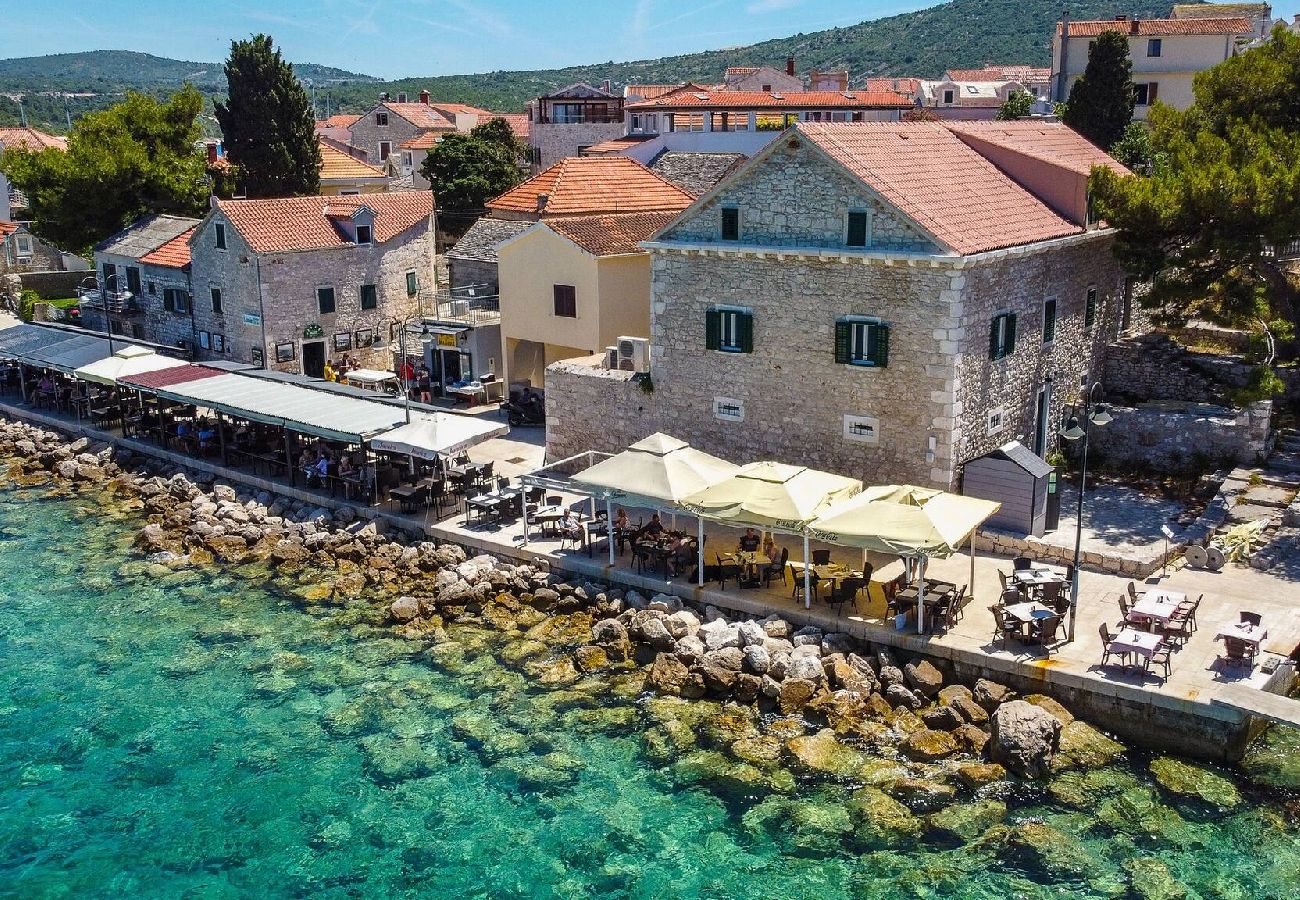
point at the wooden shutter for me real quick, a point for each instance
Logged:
(843, 336)
(745, 332)
(1011, 334)
(1049, 321)
(880, 341)
(994, 347)
(712, 330)
(1152, 89)
(1090, 309)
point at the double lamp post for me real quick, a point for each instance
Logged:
(1075, 430)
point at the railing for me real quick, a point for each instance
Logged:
(469, 310)
(110, 301)
(1283, 251)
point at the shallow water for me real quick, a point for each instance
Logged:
(202, 734)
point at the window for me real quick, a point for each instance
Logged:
(153, 289)
(325, 300)
(176, 300)
(412, 284)
(284, 352)
(1002, 336)
(221, 236)
(997, 420)
(204, 342)
(863, 429)
(406, 159)
(730, 223)
(1090, 308)
(566, 300)
(1049, 321)
(727, 409)
(381, 119)
(133, 280)
(1154, 46)
(1145, 94)
(857, 234)
(216, 300)
(364, 234)
(767, 89)
(949, 96)
(729, 330)
(369, 296)
(385, 149)
(862, 342)
(23, 245)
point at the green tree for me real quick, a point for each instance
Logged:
(1226, 192)
(134, 158)
(1018, 105)
(1135, 149)
(267, 123)
(467, 170)
(1101, 101)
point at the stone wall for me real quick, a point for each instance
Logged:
(43, 258)
(553, 142)
(53, 285)
(367, 135)
(1179, 436)
(1151, 367)
(589, 407)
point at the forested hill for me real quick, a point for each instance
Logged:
(958, 34)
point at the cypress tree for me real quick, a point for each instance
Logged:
(1101, 101)
(267, 123)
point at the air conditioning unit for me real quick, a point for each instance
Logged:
(611, 357)
(634, 354)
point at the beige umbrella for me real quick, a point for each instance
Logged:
(130, 360)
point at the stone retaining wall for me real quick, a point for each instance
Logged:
(589, 407)
(53, 285)
(1154, 367)
(1179, 437)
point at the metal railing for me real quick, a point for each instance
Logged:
(1283, 251)
(110, 301)
(457, 306)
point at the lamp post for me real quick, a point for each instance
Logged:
(401, 374)
(103, 300)
(1076, 430)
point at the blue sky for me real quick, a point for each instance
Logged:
(395, 38)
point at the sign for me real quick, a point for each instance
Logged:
(253, 319)
(1168, 532)
(446, 340)
(313, 331)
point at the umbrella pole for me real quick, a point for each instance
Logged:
(521, 485)
(674, 520)
(699, 545)
(971, 588)
(609, 517)
(807, 576)
(920, 595)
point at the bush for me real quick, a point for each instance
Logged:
(1263, 384)
(27, 301)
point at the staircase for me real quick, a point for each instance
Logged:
(1280, 481)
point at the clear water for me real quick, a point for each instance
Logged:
(203, 734)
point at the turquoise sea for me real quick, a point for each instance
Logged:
(204, 734)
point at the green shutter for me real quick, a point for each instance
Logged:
(1090, 309)
(1011, 333)
(1049, 321)
(857, 236)
(881, 337)
(843, 333)
(993, 339)
(745, 332)
(712, 330)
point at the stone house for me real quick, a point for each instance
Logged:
(884, 300)
(568, 121)
(21, 251)
(382, 130)
(289, 283)
(763, 78)
(144, 282)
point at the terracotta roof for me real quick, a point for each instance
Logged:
(425, 140)
(31, 139)
(1051, 142)
(421, 115)
(480, 242)
(300, 223)
(775, 100)
(7, 228)
(939, 182)
(1023, 74)
(617, 145)
(459, 109)
(337, 165)
(175, 254)
(145, 235)
(695, 173)
(338, 121)
(613, 235)
(518, 123)
(587, 185)
(649, 91)
(886, 85)
(162, 378)
(1160, 27)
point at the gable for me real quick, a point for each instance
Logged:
(793, 197)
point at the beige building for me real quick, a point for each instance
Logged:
(572, 286)
(1166, 54)
(343, 174)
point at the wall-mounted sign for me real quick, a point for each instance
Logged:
(313, 331)
(253, 319)
(446, 340)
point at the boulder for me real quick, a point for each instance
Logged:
(776, 627)
(971, 711)
(668, 675)
(590, 658)
(655, 633)
(927, 745)
(805, 668)
(1152, 880)
(950, 693)
(977, 775)
(729, 658)
(683, 619)
(991, 694)
(1045, 702)
(891, 675)
(924, 678)
(1086, 747)
(967, 821)
(794, 694)
(690, 649)
(838, 642)
(404, 609)
(809, 634)
(881, 821)
(757, 659)
(609, 631)
(824, 754)
(850, 678)
(942, 718)
(718, 634)
(900, 697)
(971, 738)
(751, 633)
(1185, 779)
(1024, 738)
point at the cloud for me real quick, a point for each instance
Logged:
(758, 7)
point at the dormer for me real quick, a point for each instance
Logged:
(356, 222)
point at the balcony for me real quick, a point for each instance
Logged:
(466, 307)
(121, 302)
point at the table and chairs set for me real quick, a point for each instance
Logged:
(1033, 605)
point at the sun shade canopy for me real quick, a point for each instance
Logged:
(657, 470)
(431, 434)
(903, 519)
(53, 348)
(130, 360)
(771, 495)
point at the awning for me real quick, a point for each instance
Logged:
(771, 495)
(52, 348)
(904, 520)
(429, 434)
(130, 360)
(657, 470)
(368, 376)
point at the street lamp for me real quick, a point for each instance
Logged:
(1075, 430)
(103, 300)
(401, 373)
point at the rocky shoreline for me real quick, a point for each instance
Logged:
(755, 707)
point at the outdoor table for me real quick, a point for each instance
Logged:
(1037, 577)
(1244, 631)
(407, 495)
(469, 392)
(1026, 613)
(547, 516)
(1141, 643)
(1158, 606)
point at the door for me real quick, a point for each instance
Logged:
(450, 364)
(133, 280)
(313, 358)
(1043, 420)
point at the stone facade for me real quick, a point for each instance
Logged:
(553, 141)
(41, 258)
(1175, 436)
(367, 135)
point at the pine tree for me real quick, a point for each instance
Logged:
(267, 123)
(1018, 105)
(1101, 101)
(467, 170)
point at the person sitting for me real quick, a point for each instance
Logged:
(207, 434)
(346, 469)
(681, 553)
(652, 529)
(570, 527)
(317, 474)
(44, 391)
(184, 437)
(750, 541)
(620, 520)
(773, 554)
(330, 374)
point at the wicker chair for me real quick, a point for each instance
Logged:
(1106, 639)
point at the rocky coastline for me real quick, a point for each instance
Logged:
(753, 707)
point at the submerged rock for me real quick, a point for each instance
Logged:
(1152, 880)
(967, 821)
(1085, 747)
(927, 745)
(881, 821)
(1187, 780)
(824, 754)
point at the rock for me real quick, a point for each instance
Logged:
(1086, 747)
(655, 632)
(561, 671)
(890, 675)
(746, 688)
(809, 634)
(404, 609)
(717, 681)
(928, 745)
(971, 738)
(1041, 847)
(977, 775)
(844, 675)
(729, 658)
(1045, 702)
(1185, 779)
(824, 754)
(668, 675)
(810, 651)
(805, 668)
(900, 697)
(1152, 880)
(1024, 738)
(838, 642)
(757, 659)
(718, 634)
(610, 632)
(942, 718)
(760, 750)
(590, 658)
(921, 794)
(751, 633)
(776, 627)
(952, 692)
(769, 687)
(971, 711)
(967, 821)
(690, 649)
(881, 821)
(794, 694)
(924, 678)
(685, 620)
(991, 694)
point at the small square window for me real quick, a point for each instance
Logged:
(862, 342)
(1154, 47)
(566, 301)
(863, 429)
(216, 300)
(381, 119)
(730, 223)
(369, 296)
(949, 96)
(325, 300)
(221, 236)
(728, 409)
(364, 234)
(734, 331)
(996, 420)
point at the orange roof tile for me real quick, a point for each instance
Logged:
(617, 145)
(175, 254)
(31, 139)
(1022, 74)
(775, 100)
(425, 140)
(650, 91)
(888, 85)
(1051, 142)
(301, 223)
(338, 121)
(7, 228)
(451, 110)
(421, 115)
(1160, 27)
(586, 185)
(940, 183)
(518, 123)
(611, 235)
(335, 164)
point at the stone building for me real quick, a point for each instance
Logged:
(21, 251)
(144, 282)
(877, 299)
(568, 121)
(382, 130)
(289, 283)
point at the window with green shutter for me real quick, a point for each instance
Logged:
(729, 330)
(856, 235)
(412, 284)
(325, 300)
(1002, 336)
(1090, 308)
(730, 223)
(1049, 321)
(862, 342)
(369, 296)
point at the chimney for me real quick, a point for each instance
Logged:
(789, 65)
(424, 97)
(383, 97)
(542, 200)
(1133, 27)
(606, 86)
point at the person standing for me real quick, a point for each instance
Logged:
(423, 382)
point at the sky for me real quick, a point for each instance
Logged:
(398, 38)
